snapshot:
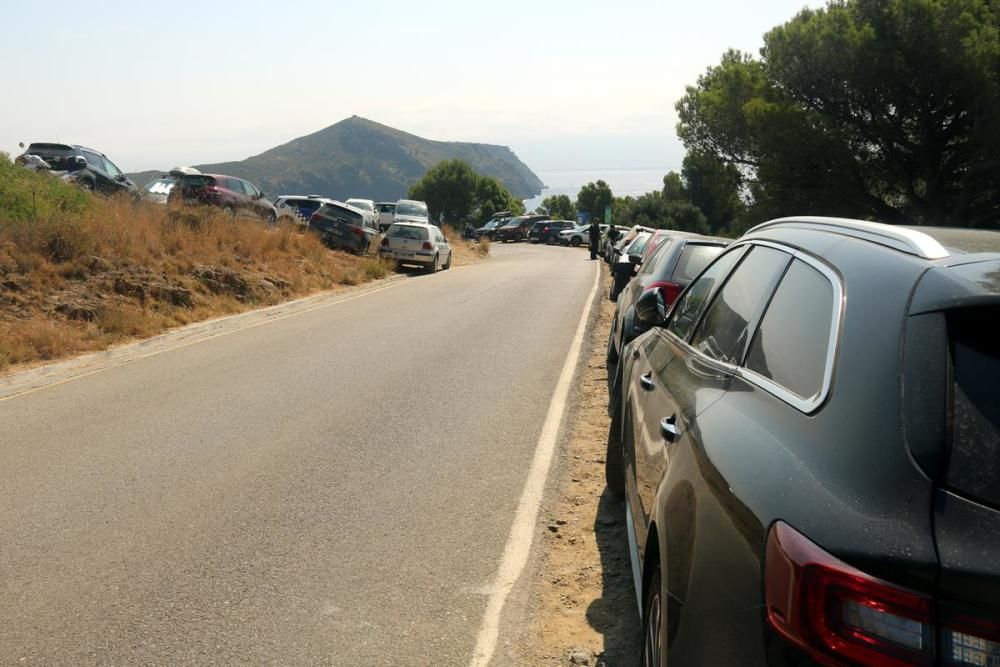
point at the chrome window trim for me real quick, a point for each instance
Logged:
(804, 405)
(906, 240)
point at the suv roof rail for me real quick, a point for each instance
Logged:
(904, 239)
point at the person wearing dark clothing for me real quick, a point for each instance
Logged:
(595, 235)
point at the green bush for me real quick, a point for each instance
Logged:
(41, 213)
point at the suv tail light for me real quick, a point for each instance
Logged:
(968, 640)
(427, 245)
(838, 614)
(670, 290)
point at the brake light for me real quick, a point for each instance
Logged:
(427, 245)
(670, 290)
(838, 614)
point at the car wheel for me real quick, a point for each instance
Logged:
(575, 241)
(518, 238)
(272, 219)
(447, 264)
(87, 185)
(433, 268)
(229, 210)
(652, 622)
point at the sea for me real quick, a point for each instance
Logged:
(623, 182)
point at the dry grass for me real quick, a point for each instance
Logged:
(77, 277)
(465, 252)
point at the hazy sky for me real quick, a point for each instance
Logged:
(573, 83)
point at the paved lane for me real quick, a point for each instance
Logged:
(335, 487)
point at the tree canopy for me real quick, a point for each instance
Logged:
(560, 207)
(883, 109)
(452, 187)
(594, 198)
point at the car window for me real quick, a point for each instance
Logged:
(724, 330)
(693, 259)
(95, 161)
(974, 465)
(686, 312)
(654, 259)
(407, 232)
(795, 357)
(112, 170)
(250, 188)
(161, 186)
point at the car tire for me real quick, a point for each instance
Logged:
(433, 268)
(575, 241)
(271, 219)
(229, 210)
(448, 263)
(652, 621)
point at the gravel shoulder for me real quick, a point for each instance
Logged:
(584, 610)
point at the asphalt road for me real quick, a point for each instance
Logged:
(332, 488)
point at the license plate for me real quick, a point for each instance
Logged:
(401, 253)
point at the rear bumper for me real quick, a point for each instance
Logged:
(407, 257)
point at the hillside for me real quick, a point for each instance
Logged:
(361, 158)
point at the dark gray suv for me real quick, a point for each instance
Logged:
(808, 446)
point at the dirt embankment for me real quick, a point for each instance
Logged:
(80, 273)
(585, 611)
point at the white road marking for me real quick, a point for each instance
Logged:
(522, 532)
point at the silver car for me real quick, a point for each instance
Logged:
(416, 243)
(367, 207)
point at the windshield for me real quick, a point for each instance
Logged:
(411, 208)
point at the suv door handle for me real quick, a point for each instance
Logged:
(647, 381)
(668, 428)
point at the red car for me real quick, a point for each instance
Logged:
(234, 195)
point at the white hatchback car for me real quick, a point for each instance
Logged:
(416, 243)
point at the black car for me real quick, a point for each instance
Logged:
(516, 229)
(489, 229)
(809, 450)
(678, 258)
(86, 167)
(344, 227)
(547, 231)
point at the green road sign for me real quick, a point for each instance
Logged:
(607, 215)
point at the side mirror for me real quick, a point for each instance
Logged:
(79, 161)
(121, 178)
(651, 309)
(635, 259)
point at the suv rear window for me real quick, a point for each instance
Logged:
(304, 205)
(407, 232)
(694, 258)
(795, 357)
(340, 213)
(974, 467)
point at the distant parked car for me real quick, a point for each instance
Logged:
(808, 448)
(367, 206)
(418, 244)
(578, 235)
(386, 210)
(157, 191)
(627, 264)
(516, 229)
(670, 268)
(86, 167)
(409, 210)
(489, 230)
(614, 250)
(298, 209)
(233, 195)
(344, 227)
(547, 231)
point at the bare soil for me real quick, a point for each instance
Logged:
(585, 609)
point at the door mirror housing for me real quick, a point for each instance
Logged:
(651, 308)
(635, 259)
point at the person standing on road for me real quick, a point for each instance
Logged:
(595, 236)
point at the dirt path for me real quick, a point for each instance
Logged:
(585, 611)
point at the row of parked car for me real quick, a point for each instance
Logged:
(354, 225)
(806, 436)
